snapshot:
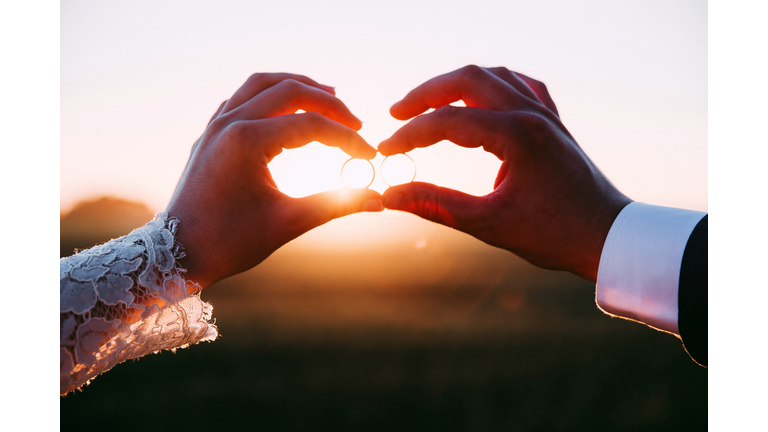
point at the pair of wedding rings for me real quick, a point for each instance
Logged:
(395, 169)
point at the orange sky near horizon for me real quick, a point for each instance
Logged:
(140, 80)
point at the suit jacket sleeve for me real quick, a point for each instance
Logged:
(692, 295)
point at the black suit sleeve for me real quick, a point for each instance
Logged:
(692, 294)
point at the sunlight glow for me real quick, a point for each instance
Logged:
(308, 170)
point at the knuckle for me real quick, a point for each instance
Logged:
(472, 71)
(310, 124)
(290, 86)
(530, 127)
(429, 207)
(236, 131)
(447, 113)
(227, 139)
(255, 78)
(532, 121)
(218, 124)
(313, 117)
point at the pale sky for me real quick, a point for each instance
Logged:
(139, 81)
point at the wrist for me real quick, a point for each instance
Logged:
(601, 223)
(194, 263)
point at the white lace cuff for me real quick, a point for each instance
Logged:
(127, 298)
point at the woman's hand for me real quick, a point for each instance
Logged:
(550, 204)
(232, 214)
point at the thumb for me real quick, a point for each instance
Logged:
(315, 210)
(438, 204)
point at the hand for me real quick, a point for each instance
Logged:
(550, 204)
(232, 214)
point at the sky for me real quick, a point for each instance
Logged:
(139, 81)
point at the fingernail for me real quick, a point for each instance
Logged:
(373, 205)
(393, 200)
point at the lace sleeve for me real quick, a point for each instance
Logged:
(127, 298)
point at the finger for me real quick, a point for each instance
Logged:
(464, 126)
(515, 81)
(216, 114)
(315, 210)
(259, 82)
(474, 85)
(296, 130)
(437, 204)
(290, 95)
(541, 91)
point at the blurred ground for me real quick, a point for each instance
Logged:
(448, 335)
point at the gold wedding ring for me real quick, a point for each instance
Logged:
(400, 169)
(355, 169)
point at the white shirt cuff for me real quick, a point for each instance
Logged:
(639, 268)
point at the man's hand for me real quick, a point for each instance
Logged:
(550, 204)
(232, 214)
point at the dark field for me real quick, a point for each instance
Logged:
(451, 336)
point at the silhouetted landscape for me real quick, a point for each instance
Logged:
(450, 335)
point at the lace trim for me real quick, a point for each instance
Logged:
(127, 298)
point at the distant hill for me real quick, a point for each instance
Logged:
(96, 221)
